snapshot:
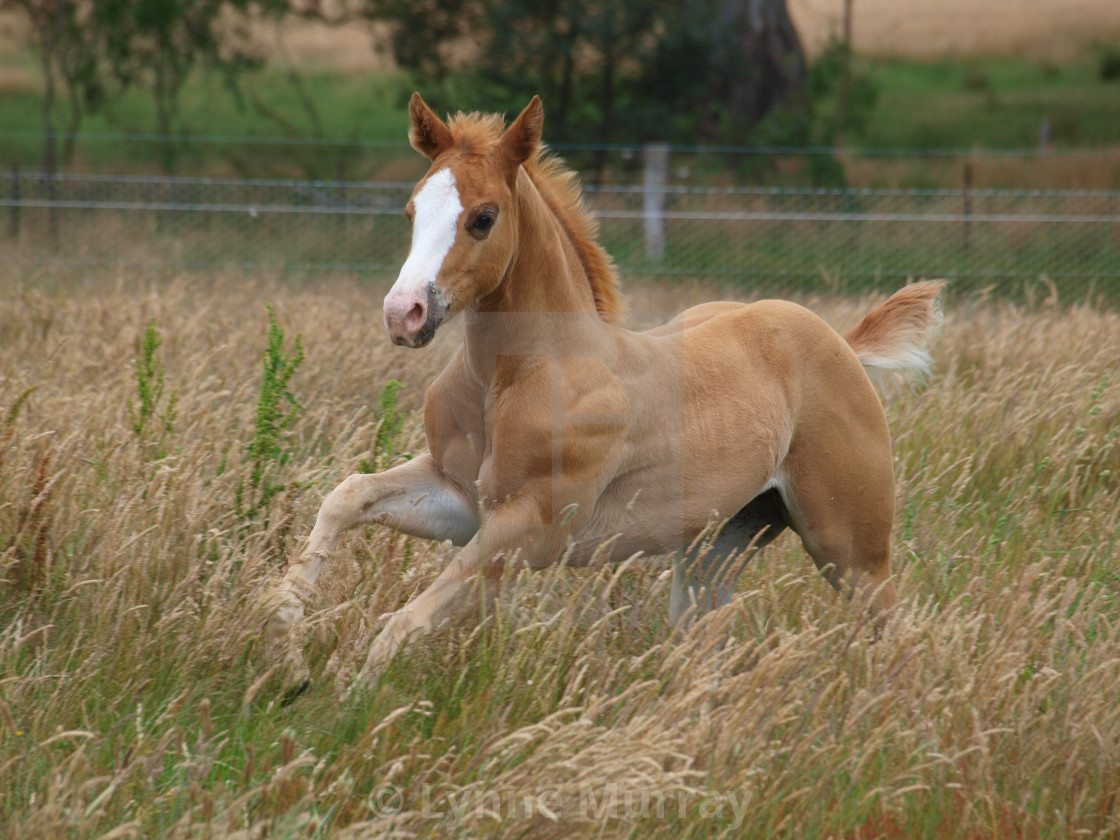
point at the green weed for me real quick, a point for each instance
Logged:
(149, 387)
(277, 410)
(390, 422)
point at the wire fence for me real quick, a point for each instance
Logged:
(766, 237)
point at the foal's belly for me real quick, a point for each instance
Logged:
(654, 516)
(601, 547)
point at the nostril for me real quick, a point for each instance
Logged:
(415, 318)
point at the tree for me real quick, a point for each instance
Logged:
(585, 58)
(582, 56)
(758, 61)
(156, 44)
(67, 49)
(663, 69)
(90, 49)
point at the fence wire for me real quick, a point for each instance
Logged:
(785, 237)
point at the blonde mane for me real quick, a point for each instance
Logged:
(560, 188)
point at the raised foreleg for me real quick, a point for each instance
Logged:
(415, 498)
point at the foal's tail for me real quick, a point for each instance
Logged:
(894, 337)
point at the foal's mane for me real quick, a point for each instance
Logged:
(560, 188)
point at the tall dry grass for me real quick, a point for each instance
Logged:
(1053, 30)
(136, 698)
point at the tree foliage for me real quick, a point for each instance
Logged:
(660, 68)
(67, 46)
(156, 44)
(93, 49)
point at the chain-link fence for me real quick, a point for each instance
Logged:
(773, 237)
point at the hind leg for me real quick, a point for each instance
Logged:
(841, 503)
(707, 582)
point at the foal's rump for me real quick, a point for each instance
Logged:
(835, 475)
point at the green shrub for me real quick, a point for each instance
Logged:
(270, 446)
(149, 386)
(389, 425)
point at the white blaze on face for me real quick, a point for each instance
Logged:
(435, 222)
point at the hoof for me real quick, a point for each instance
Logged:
(295, 692)
(353, 686)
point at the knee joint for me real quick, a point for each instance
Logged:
(342, 505)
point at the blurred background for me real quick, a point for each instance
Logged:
(766, 144)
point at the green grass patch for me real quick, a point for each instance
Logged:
(992, 103)
(984, 103)
(351, 109)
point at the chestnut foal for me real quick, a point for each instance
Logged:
(555, 434)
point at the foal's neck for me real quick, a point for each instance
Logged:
(544, 304)
(545, 273)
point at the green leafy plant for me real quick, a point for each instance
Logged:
(269, 447)
(149, 386)
(390, 422)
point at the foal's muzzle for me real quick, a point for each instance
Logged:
(412, 317)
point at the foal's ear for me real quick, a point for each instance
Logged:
(520, 141)
(427, 134)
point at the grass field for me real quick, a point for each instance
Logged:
(137, 699)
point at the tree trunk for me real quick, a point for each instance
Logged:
(49, 165)
(760, 62)
(567, 81)
(72, 125)
(845, 84)
(606, 103)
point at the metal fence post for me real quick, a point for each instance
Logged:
(654, 179)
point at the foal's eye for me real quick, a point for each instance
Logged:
(483, 223)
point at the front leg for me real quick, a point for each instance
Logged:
(464, 587)
(415, 498)
(514, 536)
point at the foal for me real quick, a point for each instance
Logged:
(556, 434)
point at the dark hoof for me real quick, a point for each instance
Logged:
(295, 692)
